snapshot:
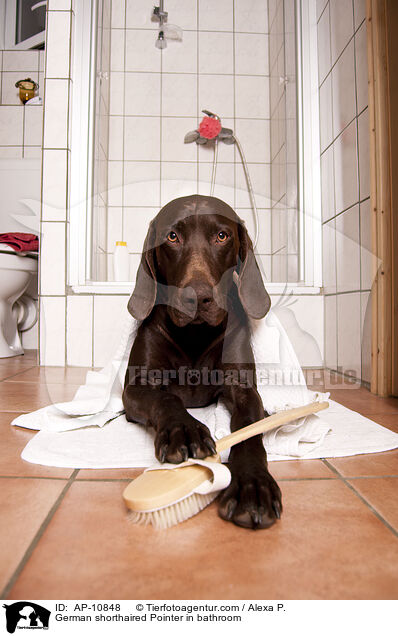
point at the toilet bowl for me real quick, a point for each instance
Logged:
(16, 272)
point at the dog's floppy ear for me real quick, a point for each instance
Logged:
(143, 297)
(252, 293)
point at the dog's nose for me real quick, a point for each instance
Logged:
(197, 295)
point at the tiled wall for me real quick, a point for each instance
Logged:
(283, 125)
(20, 127)
(344, 139)
(56, 161)
(156, 97)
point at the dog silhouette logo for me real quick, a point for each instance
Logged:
(26, 615)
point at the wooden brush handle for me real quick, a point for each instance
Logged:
(268, 423)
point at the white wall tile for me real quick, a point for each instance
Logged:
(348, 250)
(327, 184)
(116, 132)
(52, 259)
(109, 314)
(141, 183)
(56, 114)
(349, 333)
(23, 61)
(324, 58)
(343, 88)
(117, 49)
(173, 133)
(180, 57)
(141, 138)
(341, 25)
(141, 53)
(303, 322)
(359, 12)
(183, 13)
(216, 52)
(366, 246)
(346, 169)
(79, 325)
(216, 16)
(115, 183)
(364, 156)
(178, 180)
(33, 126)
(329, 256)
(116, 93)
(251, 15)
(59, 5)
(326, 113)
(118, 14)
(179, 95)
(139, 14)
(366, 336)
(58, 44)
(361, 62)
(216, 94)
(142, 94)
(9, 92)
(114, 233)
(54, 185)
(52, 331)
(254, 135)
(252, 96)
(135, 226)
(11, 126)
(251, 54)
(331, 332)
(260, 178)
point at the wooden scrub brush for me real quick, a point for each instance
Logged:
(165, 497)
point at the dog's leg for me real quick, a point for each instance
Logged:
(178, 435)
(253, 498)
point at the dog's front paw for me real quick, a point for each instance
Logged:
(178, 440)
(252, 500)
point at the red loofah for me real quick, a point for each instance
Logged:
(209, 127)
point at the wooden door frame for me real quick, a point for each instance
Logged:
(382, 30)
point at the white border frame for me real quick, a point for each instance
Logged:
(9, 24)
(82, 149)
(310, 211)
(310, 224)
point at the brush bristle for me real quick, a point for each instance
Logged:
(174, 514)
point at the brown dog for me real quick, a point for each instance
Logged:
(197, 283)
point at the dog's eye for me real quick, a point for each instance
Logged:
(172, 237)
(222, 236)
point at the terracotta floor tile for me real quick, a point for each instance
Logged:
(12, 366)
(12, 441)
(300, 469)
(327, 545)
(52, 375)
(361, 400)
(382, 495)
(28, 396)
(367, 465)
(109, 473)
(25, 504)
(389, 420)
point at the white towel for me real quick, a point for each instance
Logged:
(90, 432)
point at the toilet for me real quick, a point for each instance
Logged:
(17, 312)
(19, 182)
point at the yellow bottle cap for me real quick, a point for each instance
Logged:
(121, 243)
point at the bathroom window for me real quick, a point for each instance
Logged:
(259, 81)
(24, 24)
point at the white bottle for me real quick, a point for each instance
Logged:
(121, 262)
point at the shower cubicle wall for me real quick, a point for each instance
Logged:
(237, 59)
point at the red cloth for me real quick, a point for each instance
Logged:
(20, 241)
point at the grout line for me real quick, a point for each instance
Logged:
(367, 504)
(9, 377)
(37, 537)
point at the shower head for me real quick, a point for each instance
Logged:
(168, 32)
(161, 42)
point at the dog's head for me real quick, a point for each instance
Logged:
(192, 250)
